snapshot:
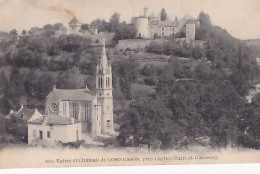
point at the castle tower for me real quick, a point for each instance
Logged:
(104, 92)
(190, 32)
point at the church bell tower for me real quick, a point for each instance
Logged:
(104, 92)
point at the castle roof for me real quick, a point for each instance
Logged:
(74, 94)
(74, 21)
(55, 120)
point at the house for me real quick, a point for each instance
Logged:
(74, 26)
(52, 129)
(93, 108)
(24, 113)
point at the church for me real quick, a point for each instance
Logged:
(94, 109)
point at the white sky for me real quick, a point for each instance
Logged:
(239, 17)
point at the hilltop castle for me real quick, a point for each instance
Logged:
(151, 26)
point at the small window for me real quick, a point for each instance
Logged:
(51, 126)
(107, 94)
(48, 134)
(22, 115)
(100, 94)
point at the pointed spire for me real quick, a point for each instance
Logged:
(103, 61)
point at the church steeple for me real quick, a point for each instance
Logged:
(103, 60)
(104, 92)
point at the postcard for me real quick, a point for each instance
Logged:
(129, 82)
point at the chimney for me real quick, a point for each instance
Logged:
(45, 119)
(54, 86)
(72, 120)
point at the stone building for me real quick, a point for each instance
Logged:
(151, 26)
(93, 108)
(52, 129)
(190, 31)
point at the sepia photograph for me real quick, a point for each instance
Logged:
(129, 82)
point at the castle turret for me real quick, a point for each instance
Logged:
(104, 92)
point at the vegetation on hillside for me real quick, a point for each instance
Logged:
(198, 96)
(210, 105)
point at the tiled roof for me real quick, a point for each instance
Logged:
(74, 94)
(74, 21)
(25, 113)
(55, 120)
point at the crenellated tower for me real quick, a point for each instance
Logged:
(104, 92)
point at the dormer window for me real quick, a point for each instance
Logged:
(22, 115)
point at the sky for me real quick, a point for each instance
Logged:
(241, 18)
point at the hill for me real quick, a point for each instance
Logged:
(254, 45)
(195, 92)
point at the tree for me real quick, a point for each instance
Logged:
(71, 79)
(24, 32)
(125, 31)
(145, 122)
(127, 71)
(18, 128)
(101, 25)
(14, 32)
(163, 15)
(114, 22)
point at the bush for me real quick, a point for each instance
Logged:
(4, 140)
(75, 144)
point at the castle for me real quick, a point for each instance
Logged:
(151, 26)
(92, 108)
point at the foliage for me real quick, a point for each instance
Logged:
(18, 129)
(163, 15)
(126, 71)
(205, 94)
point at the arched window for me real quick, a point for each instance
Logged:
(99, 83)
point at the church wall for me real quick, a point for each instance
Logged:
(80, 109)
(96, 120)
(51, 99)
